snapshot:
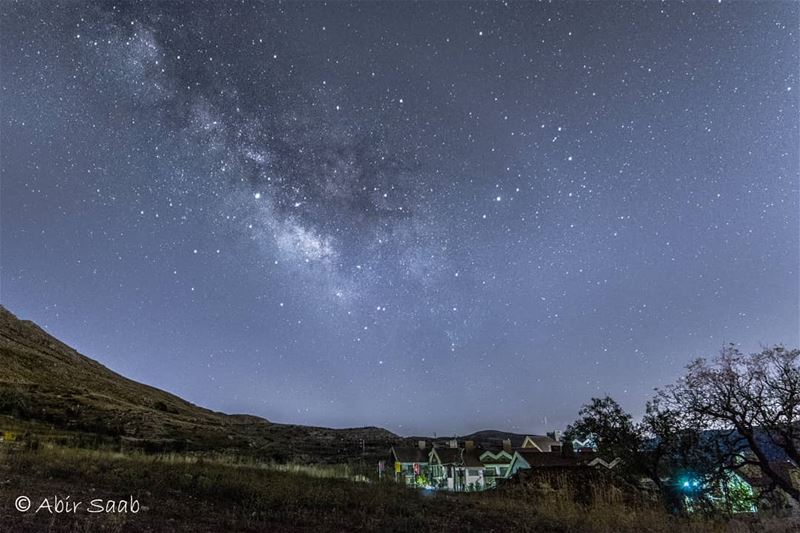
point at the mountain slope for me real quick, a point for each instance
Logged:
(42, 380)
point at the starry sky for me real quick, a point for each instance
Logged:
(430, 217)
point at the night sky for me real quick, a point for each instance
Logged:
(426, 217)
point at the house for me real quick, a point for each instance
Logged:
(732, 492)
(742, 488)
(410, 463)
(764, 493)
(467, 466)
(456, 469)
(599, 461)
(496, 465)
(584, 445)
(542, 443)
(531, 459)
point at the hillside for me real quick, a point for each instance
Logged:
(493, 437)
(46, 384)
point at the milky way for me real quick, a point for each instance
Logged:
(428, 217)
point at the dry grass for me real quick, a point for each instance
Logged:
(187, 493)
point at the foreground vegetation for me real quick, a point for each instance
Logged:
(182, 493)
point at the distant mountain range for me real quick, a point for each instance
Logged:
(496, 436)
(50, 389)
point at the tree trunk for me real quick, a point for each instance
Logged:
(766, 469)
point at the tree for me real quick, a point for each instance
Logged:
(612, 430)
(665, 447)
(683, 462)
(753, 399)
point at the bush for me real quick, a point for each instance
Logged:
(14, 402)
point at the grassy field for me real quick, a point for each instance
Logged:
(181, 493)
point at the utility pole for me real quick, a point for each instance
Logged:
(362, 461)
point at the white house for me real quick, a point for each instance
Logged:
(457, 469)
(409, 463)
(496, 464)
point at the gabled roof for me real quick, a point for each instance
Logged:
(410, 454)
(496, 457)
(543, 442)
(732, 442)
(599, 461)
(472, 459)
(458, 457)
(447, 456)
(546, 459)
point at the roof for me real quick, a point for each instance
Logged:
(784, 469)
(459, 456)
(500, 457)
(543, 441)
(547, 459)
(757, 478)
(732, 442)
(410, 454)
(472, 458)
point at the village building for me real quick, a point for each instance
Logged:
(763, 493)
(496, 465)
(744, 488)
(457, 469)
(468, 466)
(542, 443)
(531, 459)
(733, 492)
(584, 445)
(473, 466)
(410, 463)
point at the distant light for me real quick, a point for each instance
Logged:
(257, 195)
